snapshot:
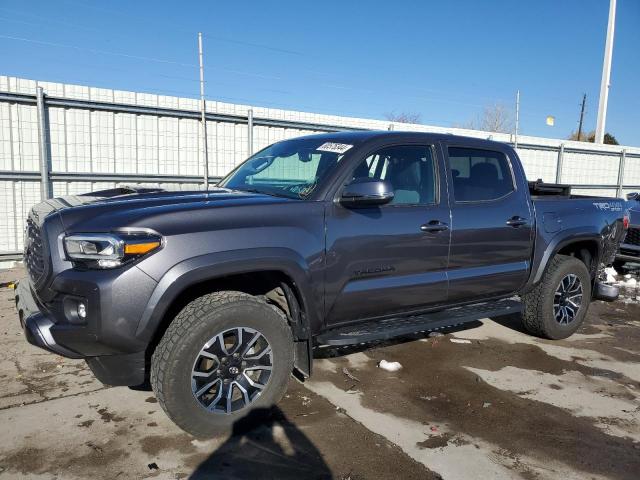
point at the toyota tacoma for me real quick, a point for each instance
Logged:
(629, 251)
(217, 297)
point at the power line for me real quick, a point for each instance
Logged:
(288, 51)
(254, 45)
(212, 36)
(206, 34)
(111, 68)
(101, 52)
(23, 22)
(232, 71)
(47, 21)
(273, 48)
(418, 95)
(365, 91)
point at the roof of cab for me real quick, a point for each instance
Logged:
(362, 136)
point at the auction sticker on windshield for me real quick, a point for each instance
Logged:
(334, 147)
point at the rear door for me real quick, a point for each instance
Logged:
(491, 223)
(391, 258)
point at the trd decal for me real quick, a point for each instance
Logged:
(374, 270)
(608, 206)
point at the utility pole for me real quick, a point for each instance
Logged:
(203, 115)
(43, 143)
(606, 75)
(515, 141)
(584, 101)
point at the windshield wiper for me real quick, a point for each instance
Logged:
(263, 192)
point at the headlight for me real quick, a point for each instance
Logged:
(109, 250)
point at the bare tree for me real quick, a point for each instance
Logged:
(403, 117)
(494, 118)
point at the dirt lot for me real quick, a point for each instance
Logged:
(485, 402)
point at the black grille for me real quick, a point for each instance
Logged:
(33, 251)
(633, 236)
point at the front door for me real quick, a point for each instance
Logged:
(491, 224)
(391, 258)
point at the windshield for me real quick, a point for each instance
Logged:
(292, 168)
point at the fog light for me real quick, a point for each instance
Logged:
(82, 310)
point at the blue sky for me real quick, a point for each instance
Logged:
(445, 60)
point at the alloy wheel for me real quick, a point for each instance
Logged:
(231, 370)
(567, 299)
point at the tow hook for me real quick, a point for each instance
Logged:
(606, 292)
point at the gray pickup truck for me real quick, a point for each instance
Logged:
(216, 298)
(629, 252)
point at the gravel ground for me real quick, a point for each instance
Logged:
(496, 403)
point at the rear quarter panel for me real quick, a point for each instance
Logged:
(561, 221)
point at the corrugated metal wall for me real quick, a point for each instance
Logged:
(88, 145)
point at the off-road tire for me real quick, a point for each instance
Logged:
(538, 314)
(199, 321)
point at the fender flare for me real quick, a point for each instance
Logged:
(564, 238)
(216, 265)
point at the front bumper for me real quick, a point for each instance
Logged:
(36, 326)
(46, 328)
(628, 253)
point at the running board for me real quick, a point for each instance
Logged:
(397, 327)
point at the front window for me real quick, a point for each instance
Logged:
(293, 168)
(409, 169)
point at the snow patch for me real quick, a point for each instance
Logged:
(389, 366)
(628, 283)
(612, 275)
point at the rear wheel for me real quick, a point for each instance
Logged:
(224, 355)
(556, 307)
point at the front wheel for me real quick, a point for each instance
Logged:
(224, 355)
(557, 306)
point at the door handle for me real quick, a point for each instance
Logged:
(517, 221)
(434, 226)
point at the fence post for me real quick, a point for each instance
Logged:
(623, 157)
(559, 163)
(250, 131)
(43, 143)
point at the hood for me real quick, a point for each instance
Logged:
(107, 210)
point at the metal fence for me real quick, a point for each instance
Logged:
(58, 139)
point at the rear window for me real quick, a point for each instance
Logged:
(479, 175)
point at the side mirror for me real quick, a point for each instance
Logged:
(633, 196)
(366, 192)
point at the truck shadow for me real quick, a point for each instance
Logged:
(513, 322)
(265, 444)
